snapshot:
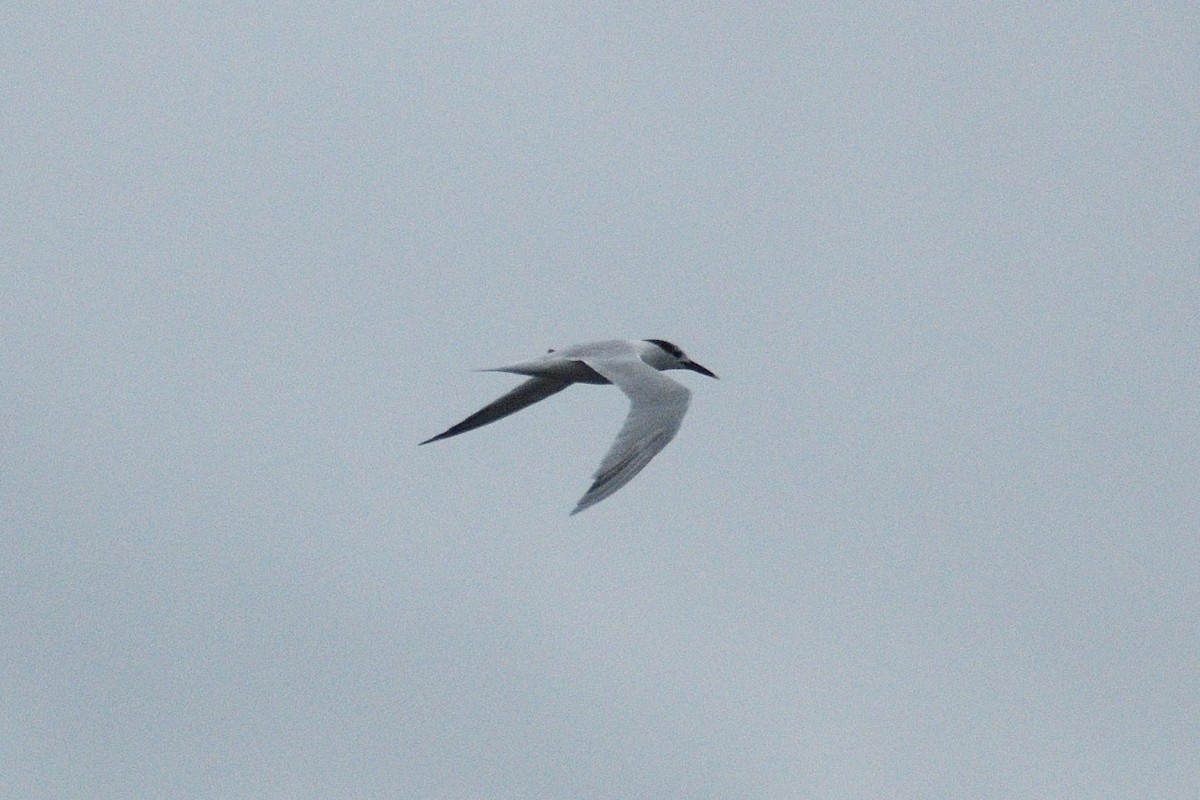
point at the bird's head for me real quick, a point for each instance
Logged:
(663, 355)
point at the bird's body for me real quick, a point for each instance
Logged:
(657, 403)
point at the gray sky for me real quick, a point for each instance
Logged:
(933, 534)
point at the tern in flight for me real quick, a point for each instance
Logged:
(656, 403)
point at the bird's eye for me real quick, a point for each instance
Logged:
(668, 348)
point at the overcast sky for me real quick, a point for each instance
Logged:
(932, 535)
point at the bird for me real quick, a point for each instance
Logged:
(656, 403)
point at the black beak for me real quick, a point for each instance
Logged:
(694, 367)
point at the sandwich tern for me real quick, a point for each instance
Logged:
(656, 403)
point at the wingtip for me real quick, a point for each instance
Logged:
(584, 504)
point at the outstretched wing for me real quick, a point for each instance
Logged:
(523, 396)
(656, 408)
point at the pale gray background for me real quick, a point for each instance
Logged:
(933, 534)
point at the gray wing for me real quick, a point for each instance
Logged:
(523, 396)
(656, 408)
